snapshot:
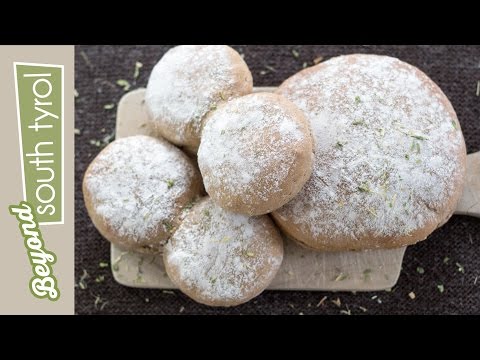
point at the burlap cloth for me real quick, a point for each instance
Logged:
(455, 68)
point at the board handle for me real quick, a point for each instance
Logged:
(469, 203)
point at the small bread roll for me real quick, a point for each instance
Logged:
(256, 153)
(188, 83)
(135, 191)
(389, 159)
(219, 258)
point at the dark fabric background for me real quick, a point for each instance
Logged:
(455, 68)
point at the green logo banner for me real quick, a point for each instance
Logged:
(40, 89)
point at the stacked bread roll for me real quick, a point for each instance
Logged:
(359, 152)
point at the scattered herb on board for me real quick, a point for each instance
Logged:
(420, 270)
(222, 96)
(136, 73)
(116, 263)
(366, 274)
(460, 268)
(222, 132)
(441, 288)
(170, 183)
(341, 277)
(109, 106)
(339, 145)
(322, 301)
(454, 124)
(411, 295)
(206, 212)
(407, 156)
(295, 54)
(364, 309)
(82, 283)
(103, 264)
(124, 83)
(318, 60)
(381, 131)
(372, 212)
(446, 259)
(357, 100)
(100, 278)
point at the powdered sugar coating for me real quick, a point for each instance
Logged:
(390, 154)
(188, 82)
(222, 258)
(255, 149)
(136, 185)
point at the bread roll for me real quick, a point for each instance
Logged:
(136, 189)
(188, 83)
(389, 160)
(256, 153)
(220, 258)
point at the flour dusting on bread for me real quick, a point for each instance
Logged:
(389, 150)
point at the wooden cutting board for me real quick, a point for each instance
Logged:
(301, 269)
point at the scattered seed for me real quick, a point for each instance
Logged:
(478, 88)
(446, 260)
(363, 308)
(295, 54)
(138, 66)
(337, 302)
(441, 288)
(100, 279)
(318, 60)
(460, 268)
(75, 93)
(77, 131)
(109, 106)
(169, 292)
(82, 284)
(270, 68)
(102, 264)
(124, 83)
(320, 303)
(182, 309)
(411, 295)
(420, 270)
